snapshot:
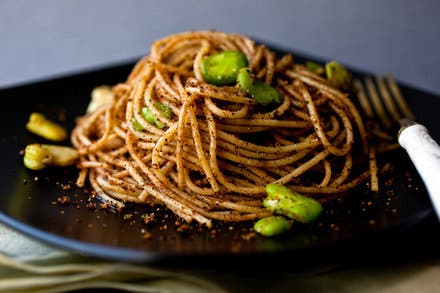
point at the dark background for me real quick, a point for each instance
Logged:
(41, 39)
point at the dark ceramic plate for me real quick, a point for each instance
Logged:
(29, 199)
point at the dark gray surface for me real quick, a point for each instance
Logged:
(40, 39)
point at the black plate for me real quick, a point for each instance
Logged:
(29, 199)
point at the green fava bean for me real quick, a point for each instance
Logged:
(222, 68)
(271, 226)
(337, 74)
(278, 191)
(262, 92)
(302, 209)
(245, 80)
(265, 94)
(282, 200)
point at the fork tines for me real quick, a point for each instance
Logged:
(382, 98)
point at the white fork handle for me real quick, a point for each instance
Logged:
(425, 154)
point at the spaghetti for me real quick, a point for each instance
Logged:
(217, 150)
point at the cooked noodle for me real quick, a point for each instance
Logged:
(219, 149)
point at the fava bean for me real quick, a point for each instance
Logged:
(273, 225)
(282, 200)
(262, 92)
(337, 75)
(222, 68)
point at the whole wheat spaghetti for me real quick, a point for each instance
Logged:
(212, 157)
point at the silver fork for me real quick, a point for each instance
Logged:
(381, 99)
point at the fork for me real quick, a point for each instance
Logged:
(384, 101)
